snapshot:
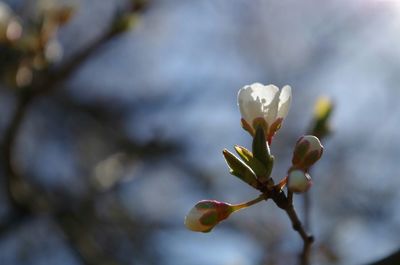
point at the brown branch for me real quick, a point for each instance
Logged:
(298, 227)
(44, 83)
(286, 203)
(392, 259)
(11, 177)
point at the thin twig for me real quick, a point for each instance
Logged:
(297, 226)
(307, 209)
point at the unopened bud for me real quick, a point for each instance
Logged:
(307, 151)
(299, 181)
(205, 215)
(125, 23)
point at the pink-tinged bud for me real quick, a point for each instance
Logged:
(299, 181)
(307, 151)
(206, 214)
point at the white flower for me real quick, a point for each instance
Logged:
(299, 181)
(207, 214)
(307, 151)
(265, 106)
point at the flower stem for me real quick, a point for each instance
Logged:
(240, 206)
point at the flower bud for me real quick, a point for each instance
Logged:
(322, 112)
(263, 106)
(299, 181)
(307, 151)
(206, 214)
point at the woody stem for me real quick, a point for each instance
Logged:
(297, 226)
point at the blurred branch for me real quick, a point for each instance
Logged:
(103, 115)
(45, 83)
(25, 198)
(392, 259)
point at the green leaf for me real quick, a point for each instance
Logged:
(245, 154)
(239, 169)
(259, 169)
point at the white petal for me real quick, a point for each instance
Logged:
(271, 110)
(285, 99)
(253, 99)
(264, 93)
(249, 108)
(243, 97)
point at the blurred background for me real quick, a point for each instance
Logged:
(114, 115)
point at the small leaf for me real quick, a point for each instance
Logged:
(239, 169)
(245, 154)
(259, 169)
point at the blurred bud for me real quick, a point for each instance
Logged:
(5, 14)
(240, 169)
(23, 76)
(323, 107)
(53, 51)
(63, 14)
(10, 27)
(322, 112)
(207, 214)
(125, 23)
(14, 30)
(307, 151)
(299, 181)
(264, 106)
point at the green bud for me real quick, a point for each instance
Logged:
(322, 113)
(125, 23)
(262, 153)
(260, 145)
